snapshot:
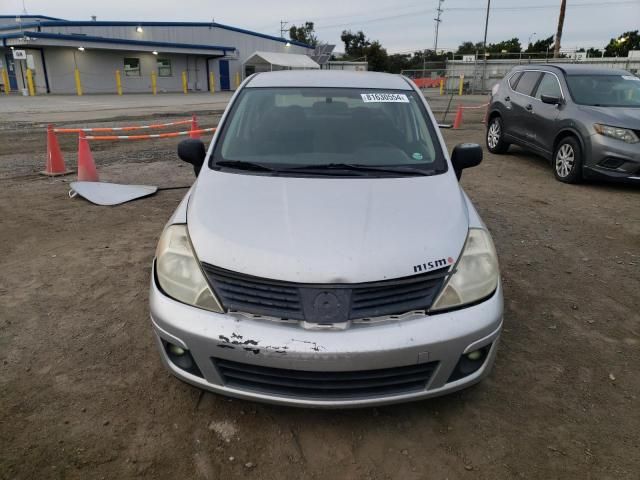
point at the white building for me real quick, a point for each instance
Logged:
(59, 52)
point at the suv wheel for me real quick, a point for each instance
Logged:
(495, 137)
(567, 161)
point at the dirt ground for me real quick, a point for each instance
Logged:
(83, 394)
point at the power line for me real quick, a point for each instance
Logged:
(462, 9)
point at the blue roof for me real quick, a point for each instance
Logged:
(91, 23)
(88, 38)
(30, 16)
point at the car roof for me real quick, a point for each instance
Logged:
(329, 78)
(574, 69)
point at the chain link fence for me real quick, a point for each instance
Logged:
(474, 75)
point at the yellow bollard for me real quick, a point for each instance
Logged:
(118, 83)
(76, 74)
(442, 86)
(212, 82)
(184, 81)
(30, 85)
(237, 79)
(154, 83)
(461, 85)
(5, 81)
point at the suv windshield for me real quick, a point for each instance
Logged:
(605, 90)
(349, 131)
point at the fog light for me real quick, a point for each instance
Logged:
(469, 363)
(181, 358)
(176, 350)
(475, 355)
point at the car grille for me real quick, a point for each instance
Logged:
(324, 304)
(325, 385)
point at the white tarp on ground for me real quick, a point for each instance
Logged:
(286, 60)
(102, 193)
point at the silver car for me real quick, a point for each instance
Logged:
(326, 255)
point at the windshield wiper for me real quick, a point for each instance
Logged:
(402, 170)
(242, 165)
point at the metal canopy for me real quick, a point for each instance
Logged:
(286, 60)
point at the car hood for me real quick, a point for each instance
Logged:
(327, 230)
(615, 116)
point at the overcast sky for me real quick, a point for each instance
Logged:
(401, 25)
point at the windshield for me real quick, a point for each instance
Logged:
(306, 129)
(605, 90)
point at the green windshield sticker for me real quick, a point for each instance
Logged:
(417, 156)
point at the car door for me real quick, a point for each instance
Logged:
(521, 99)
(543, 116)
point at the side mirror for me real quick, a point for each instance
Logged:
(192, 151)
(465, 155)
(551, 99)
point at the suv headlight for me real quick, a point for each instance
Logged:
(476, 274)
(624, 134)
(179, 273)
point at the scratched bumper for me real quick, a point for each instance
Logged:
(439, 338)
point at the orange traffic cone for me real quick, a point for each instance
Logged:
(458, 120)
(55, 161)
(194, 127)
(86, 167)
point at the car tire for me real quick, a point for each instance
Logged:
(567, 160)
(495, 136)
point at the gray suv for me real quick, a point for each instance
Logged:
(584, 119)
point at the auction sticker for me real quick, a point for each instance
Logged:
(384, 98)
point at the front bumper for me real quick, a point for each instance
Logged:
(612, 159)
(440, 339)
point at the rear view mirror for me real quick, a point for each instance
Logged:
(192, 151)
(551, 99)
(466, 155)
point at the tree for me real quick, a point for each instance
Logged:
(556, 46)
(620, 46)
(354, 44)
(540, 46)
(305, 34)
(506, 46)
(377, 57)
(594, 52)
(468, 48)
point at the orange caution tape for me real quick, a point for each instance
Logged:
(151, 135)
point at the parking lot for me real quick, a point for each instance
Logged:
(84, 395)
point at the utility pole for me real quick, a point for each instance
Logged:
(283, 28)
(437, 20)
(435, 46)
(556, 47)
(484, 45)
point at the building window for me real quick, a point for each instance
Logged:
(132, 67)
(164, 67)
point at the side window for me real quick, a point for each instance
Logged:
(513, 81)
(132, 67)
(549, 86)
(527, 82)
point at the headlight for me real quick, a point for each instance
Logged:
(179, 273)
(476, 274)
(623, 134)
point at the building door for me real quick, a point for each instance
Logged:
(11, 71)
(224, 74)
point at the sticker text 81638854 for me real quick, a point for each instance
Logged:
(384, 97)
